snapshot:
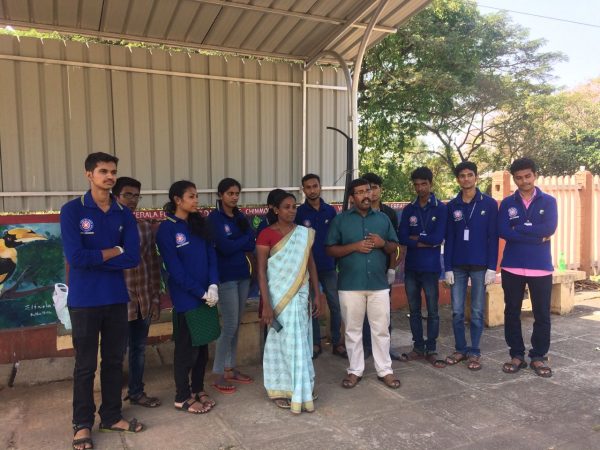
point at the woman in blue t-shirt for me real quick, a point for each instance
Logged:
(188, 253)
(234, 239)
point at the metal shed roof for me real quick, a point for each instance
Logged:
(289, 29)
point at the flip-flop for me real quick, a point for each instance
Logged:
(224, 389)
(238, 377)
(186, 407)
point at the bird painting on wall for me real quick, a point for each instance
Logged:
(10, 241)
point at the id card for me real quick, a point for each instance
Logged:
(466, 234)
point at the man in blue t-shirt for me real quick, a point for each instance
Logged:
(100, 239)
(526, 221)
(422, 229)
(315, 213)
(470, 253)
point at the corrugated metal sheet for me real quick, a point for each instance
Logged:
(161, 118)
(295, 29)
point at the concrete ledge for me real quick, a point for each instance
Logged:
(45, 370)
(5, 374)
(562, 302)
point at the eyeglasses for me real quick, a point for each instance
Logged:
(362, 192)
(130, 196)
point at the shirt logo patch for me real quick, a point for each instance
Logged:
(306, 223)
(181, 239)
(412, 221)
(512, 212)
(86, 226)
(458, 215)
(227, 229)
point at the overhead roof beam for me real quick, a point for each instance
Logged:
(145, 39)
(339, 32)
(295, 14)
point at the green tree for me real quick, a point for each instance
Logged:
(560, 131)
(445, 74)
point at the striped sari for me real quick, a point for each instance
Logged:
(287, 361)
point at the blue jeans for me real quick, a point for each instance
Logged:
(232, 301)
(138, 334)
(414, 282)
(459, 295)
(328, 281)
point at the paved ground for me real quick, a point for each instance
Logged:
(434, 408)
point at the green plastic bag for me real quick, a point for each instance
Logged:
(203, 323)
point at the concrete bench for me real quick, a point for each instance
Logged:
(563, 297)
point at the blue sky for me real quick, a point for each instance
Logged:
(581, 44)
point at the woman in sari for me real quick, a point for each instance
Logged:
(284, 258)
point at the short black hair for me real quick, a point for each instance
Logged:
(465, 165)
(422, 173)
(93, 159)
(311, 176)
(373, 178)
(523, 164)
(123, 182)
(355, 183)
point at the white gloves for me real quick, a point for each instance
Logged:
(450, 278)
(391, 276)
(212, 295)
(490, 276)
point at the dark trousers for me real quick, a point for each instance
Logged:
(89, 324)
(414, 283)
(540, 290)
(138, 335)
(188, 359)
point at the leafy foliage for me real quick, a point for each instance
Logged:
(445, 74)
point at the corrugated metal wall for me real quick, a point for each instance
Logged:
(162, 117)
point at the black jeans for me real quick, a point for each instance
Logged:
(110, 323)
(540, 290)
(188, 358)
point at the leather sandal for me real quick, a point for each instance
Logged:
(351, 381)
(511, 367)
(541, 369)
(390, 381)
(473, 363)
(455, 358)
(434, 361)
(83, 443)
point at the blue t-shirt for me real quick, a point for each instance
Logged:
(320, 220)
(86, 230)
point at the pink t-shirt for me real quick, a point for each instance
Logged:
(522, 271)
